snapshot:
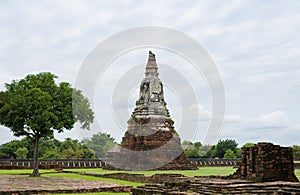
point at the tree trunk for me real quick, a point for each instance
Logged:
(35, 172)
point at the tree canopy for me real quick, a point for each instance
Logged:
(219, 150)
(36, 107)
(247, 145)
(21, 153)
(224, 145)
(296, 152)
(229, 154)
(100, 143)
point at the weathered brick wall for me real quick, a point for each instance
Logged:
(67, 191)
(155, 149)
(218, 186)
(140, 178)
(266, 162)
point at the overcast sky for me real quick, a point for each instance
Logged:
(255, 45)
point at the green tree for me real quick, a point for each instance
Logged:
(85, 152)
(8, 150)
(211, 153)
(100, 143)
(21, 153)
(36, 106)
(192, 153)
(49, 149)
(203, 150)
(238, 152)
(247, 145)
(51, 154)
(68, 153)
(27, 142)
(69, 143)
(185, 142)
(75, 149)
(223, 145)
(296, 152)
(197, 144)
(229, 154)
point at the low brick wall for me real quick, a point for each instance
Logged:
(68, 191)
(140, 178)
(218, 186)
(179, 184)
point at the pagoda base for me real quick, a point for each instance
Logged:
(160, 150)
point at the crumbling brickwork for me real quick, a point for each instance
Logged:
(266, 162)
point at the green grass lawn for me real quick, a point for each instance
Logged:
(202, 171)
(297, 173)
(73, 175)
(24, 171)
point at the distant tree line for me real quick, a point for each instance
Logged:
(226, 149)
(97, 146)
(223, 149)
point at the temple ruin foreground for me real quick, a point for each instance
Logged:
(266, 162)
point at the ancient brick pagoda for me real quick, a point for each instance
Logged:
(151, 143)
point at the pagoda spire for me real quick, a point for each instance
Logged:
(151, 99)
(151, 68)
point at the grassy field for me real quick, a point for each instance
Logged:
(297, 173)
(91, 178)
(24, 171)
(53, 173)
(202, 171)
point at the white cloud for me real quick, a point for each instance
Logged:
(277, 119)
(272, 127)
(204, 114)
(231, 118)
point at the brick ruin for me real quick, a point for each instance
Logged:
(169, 184)
(266, 162)
(211, 186)
(151, 142)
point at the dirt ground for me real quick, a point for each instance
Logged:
(12, 183)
